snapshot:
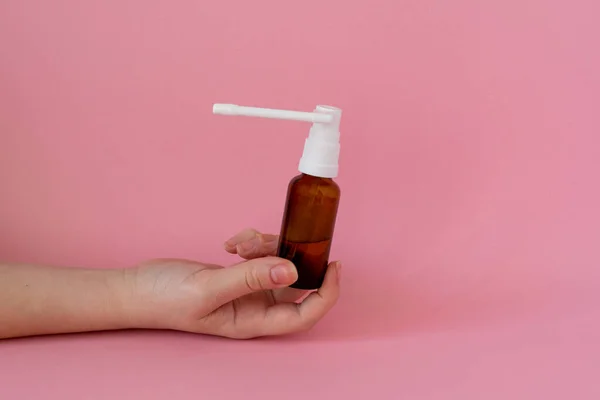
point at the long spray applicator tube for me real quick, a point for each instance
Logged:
(232, 109)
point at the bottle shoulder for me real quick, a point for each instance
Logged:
(311, 185)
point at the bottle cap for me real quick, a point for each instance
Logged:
(322, 146)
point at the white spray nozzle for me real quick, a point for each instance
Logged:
(232, 109)
(322, 147)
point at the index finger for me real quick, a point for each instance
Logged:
(250, 244)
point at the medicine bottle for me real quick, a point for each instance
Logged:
(313, 197)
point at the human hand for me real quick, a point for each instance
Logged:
(246, 300)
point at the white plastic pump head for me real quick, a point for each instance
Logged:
(321, 148)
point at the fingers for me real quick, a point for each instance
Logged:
(250, 244)
(289, 295)
(228, 284)
(286, 318)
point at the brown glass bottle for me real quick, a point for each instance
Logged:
(307, 227)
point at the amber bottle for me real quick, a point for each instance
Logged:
(307, 227)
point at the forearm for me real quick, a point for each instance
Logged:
(38, 300)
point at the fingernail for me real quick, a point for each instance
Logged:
(282, 274)
(338, 269)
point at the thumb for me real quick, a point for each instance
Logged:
(255, 275)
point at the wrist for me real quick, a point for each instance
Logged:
(129, 307)
(119, 305)
(137, 305)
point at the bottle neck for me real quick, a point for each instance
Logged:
(313, 177)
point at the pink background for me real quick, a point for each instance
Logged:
(469, 223)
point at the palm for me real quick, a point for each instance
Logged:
(246, 312)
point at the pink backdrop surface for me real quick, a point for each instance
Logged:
(470, 171)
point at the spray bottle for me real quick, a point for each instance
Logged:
(312, 197)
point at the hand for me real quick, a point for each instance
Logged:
(247, 300)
